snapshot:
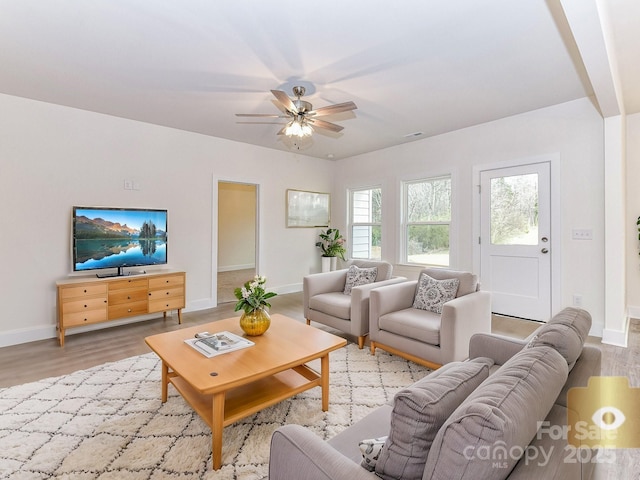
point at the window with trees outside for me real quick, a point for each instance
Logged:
(427, 221)
(366, 223)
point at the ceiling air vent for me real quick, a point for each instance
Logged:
(414, 134)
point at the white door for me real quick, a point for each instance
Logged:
(515, 246)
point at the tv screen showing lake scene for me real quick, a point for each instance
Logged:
(118, 237)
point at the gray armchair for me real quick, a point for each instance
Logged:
(324, 301)
(423, 336)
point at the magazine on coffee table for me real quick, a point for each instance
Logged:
(218, 343)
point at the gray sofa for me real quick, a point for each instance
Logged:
(466, 420)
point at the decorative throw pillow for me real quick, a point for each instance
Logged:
(359, 276)
(370, 449)
(432, 293)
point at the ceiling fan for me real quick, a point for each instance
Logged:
(301, 114)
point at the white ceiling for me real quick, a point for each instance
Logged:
(410, 66)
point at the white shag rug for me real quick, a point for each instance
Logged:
(107, 422)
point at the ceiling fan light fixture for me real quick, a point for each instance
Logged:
(298, 128)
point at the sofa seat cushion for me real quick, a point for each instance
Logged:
(421, 325)
(503, 411)
(566, 332)
(420, 410)
(336, 304)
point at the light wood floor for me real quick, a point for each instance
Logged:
(45, 358)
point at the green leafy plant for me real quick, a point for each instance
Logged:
(252, 295)
(332, 243)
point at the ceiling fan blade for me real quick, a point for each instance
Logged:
(259, 123)
(268, 115)
(326, 125)
(284, 99)
(333, 109)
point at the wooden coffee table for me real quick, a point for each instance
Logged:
(229, 387)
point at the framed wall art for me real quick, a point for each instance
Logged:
(307, 209)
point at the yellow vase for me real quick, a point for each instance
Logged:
(256, 322)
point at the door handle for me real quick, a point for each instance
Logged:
(545, 250)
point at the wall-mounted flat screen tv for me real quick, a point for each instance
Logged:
(118, 238)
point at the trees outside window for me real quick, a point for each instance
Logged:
(366, 223)
(427, 221)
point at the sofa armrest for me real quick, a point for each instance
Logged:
(299, 453)
(461, 318)
(360, 304)
(497, 347)
(318, 283)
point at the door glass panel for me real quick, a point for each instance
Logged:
(514, 210)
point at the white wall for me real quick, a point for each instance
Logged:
(53, 157)
(633, 212)
(571, 133)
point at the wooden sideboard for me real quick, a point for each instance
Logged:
(85, 301)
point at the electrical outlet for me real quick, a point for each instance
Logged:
(577, 300)
(128, 185)
(582, 234)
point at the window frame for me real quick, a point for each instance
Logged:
(403, 253)
(351, 223)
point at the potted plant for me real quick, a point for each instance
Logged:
(252, 300)
(333, 245)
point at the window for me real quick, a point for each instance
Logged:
(427, 221)
(366, 223)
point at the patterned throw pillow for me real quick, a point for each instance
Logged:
(371, 449)
(359, 276)
(432, 293)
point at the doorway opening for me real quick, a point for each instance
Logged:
(237, 237)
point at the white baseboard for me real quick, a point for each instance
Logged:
(616, 338)
(26, 335)
(231, 268)
(291, 288)
(633, 312)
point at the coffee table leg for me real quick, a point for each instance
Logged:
(217, 426)
(165, 381)
(324, 379)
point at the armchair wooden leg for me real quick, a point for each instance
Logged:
(372, 347)
(308, 322)
(361, 342)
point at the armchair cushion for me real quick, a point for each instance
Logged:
(413, 323)
(468, 280)
(333, 303)
(420, 410)
(432, 294)
(385, 269)
(357, 276)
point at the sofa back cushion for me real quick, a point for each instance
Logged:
(420, 410)
(566, 332)
(502, 413)
(468, 281)
(385, 269)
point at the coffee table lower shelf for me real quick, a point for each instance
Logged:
(245, 400)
